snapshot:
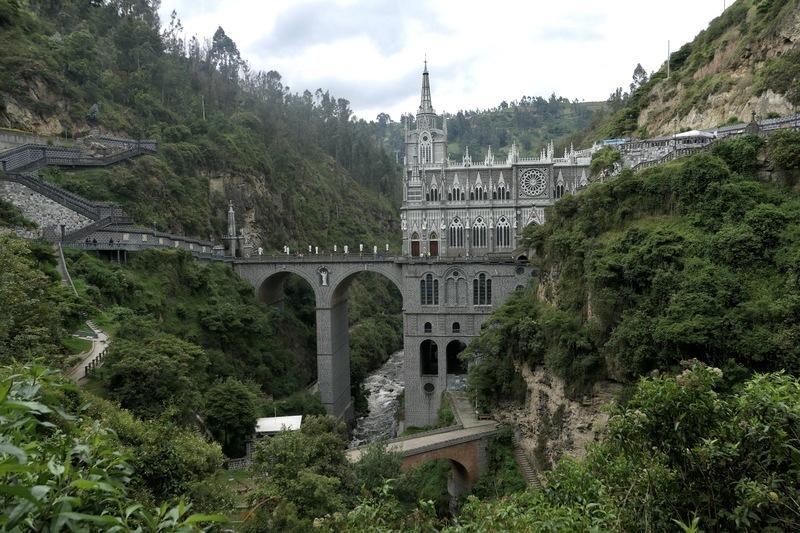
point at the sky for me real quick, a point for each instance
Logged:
(479, 53)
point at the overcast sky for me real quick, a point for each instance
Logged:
(479, 53)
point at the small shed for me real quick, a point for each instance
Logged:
(272, 425)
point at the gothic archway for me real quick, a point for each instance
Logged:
(415, 244)
(433, 244)
(429, 358)
(454, 364)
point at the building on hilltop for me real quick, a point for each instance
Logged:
(476, 208)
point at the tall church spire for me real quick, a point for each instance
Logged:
(425, 105)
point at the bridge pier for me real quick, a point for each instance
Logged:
(333, 360)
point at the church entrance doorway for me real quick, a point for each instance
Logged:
(414, 245)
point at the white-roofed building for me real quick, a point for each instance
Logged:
(275, 424)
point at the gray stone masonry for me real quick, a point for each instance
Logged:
(453, 315)
(40, 209)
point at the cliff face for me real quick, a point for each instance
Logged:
(551, 424)
(747, 61)
(732, 83)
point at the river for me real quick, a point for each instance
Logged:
(384, 387)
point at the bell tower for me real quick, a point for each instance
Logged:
(426, 142)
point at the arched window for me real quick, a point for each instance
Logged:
(429, 290)
(429, 358)
(433, 195)
(503, 233)
(415, 244)
(425, 149)
(456, 193)
(501, 191)
(559, 192)
(456, 237)
(479, 233)
(482, 290)
(456, 327)
(427, 327)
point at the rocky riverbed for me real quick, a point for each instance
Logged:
(384, 387)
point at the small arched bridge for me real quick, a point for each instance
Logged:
(463, 444)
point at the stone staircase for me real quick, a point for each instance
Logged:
(525, 466)
(68, 218)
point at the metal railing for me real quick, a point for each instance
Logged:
(92, 365)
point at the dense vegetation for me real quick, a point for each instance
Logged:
(530, 122)
(307, 170)
(692, 259)
(687, 452)
(65, 468)
(39, 311)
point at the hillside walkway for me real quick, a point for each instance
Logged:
(94, 355)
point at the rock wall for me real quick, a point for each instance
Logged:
(737, 69)
(550, 425)
(40, 209)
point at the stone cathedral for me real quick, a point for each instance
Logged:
(461, 222)
(475, 208)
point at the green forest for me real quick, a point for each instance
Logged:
(298, 161)
(680, 283)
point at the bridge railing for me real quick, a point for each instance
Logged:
(371, 258)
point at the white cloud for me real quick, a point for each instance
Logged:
(480, 53)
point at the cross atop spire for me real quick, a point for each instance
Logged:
(425, 105)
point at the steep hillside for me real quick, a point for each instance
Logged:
(298, 168)
(747, 60)
(694, 259)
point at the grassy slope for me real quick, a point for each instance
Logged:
(746, 51)
(204, 304)
(252, 147)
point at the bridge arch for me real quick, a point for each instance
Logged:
(467, 459)
(330, 278)
(270, 287)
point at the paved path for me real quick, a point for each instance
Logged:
(99, 343)
(465, 410)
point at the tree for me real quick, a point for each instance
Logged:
(639, 77)
(305, 475)
(36, 309)
(62, 471)
(230, 414)
(149, 376)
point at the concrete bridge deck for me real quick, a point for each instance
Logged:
(433, 440)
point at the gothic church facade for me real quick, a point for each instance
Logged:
(461, 224)
(475, 208)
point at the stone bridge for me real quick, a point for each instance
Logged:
(434, 331)
(329, 277)
(464, 445)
